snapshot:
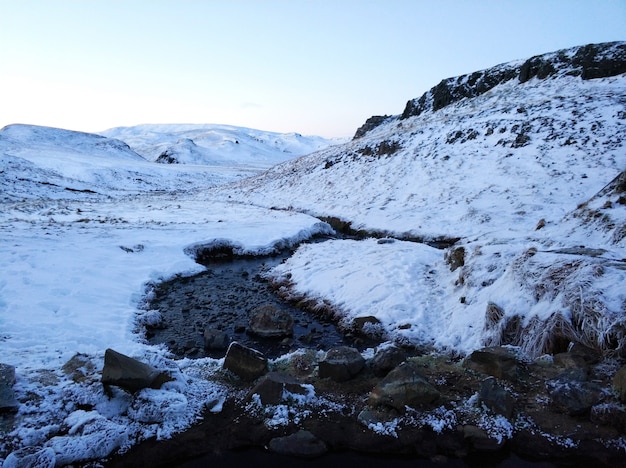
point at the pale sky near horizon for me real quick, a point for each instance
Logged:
(317, 67)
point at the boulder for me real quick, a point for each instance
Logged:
(271, 388)
(619, 382)
(480, 440)
(403, 386)
(572, 395)
(386, 359)
(130, 374)
(8, 402)
(578, 356)
(367, 326)
(341, 363)
(245, 362)
(31, 457)
(215, 339)
(300, 444)
(496, 398)
(497, 361)
(271, 322)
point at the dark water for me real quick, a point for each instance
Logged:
(223, 297)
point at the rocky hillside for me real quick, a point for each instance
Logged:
(506, 146)
(519, 166)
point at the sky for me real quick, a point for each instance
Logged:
(314, 67)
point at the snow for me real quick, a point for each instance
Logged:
(88, 222)
(217, 145)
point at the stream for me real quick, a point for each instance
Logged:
(222, 298)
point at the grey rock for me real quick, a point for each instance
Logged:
(341, 363)
(8, 402)
(619, 382)
(387, 359)
(403, 386)
(271, 387)
(480, 440)
(271, 322)
(496, 398)
(572, 395)
(245, 362)
(215, 339)
(497, 361)
(130, 374)
(31, 457)
(367, 326)
(301, 444)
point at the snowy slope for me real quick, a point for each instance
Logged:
(61, 160)
(216, 144)
(488, 165)
(80, 239)
(501, 160)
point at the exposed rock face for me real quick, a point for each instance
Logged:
(271, 388)
(8, 402)
(271, 322)
(371, 124)
(588, 62)
(300, 444)
(130, 374)
(341, 364)
(404, 386)
(245, 362)
(496, 361)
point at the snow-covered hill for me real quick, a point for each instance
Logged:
(216, 145)
(487, 158)
(43, 162)
(500, 160)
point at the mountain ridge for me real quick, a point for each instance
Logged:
(589, 62)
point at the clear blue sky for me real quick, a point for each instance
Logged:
(317, 67)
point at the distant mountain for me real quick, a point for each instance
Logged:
(216, 145)
(45, 162)
(500, 148)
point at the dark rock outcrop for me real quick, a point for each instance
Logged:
(130, 374)
(589, 62)
(371, 124)
(341, 364)
(245, 362)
